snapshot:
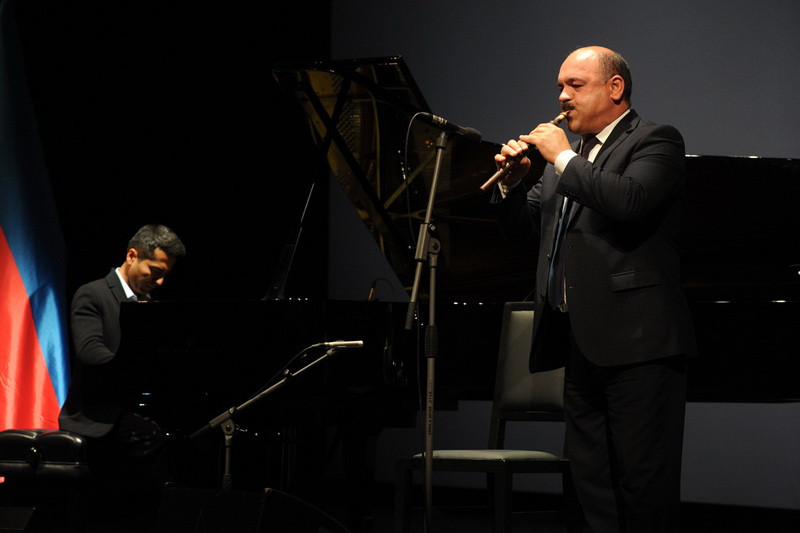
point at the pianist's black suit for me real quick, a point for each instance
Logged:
(627, 317)
(123, 446)
(94, 324)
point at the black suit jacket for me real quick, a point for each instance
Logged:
(94, 324)
(626, 300)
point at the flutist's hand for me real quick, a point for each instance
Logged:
(511, 151)
(549, 139)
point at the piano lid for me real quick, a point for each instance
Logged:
(359, 113)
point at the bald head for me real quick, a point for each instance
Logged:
(609, 63)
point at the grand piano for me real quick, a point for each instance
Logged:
(740, 261)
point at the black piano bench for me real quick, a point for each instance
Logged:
(43, 471)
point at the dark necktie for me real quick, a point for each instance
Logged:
(556, 281)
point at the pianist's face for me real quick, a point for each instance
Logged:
(143, 274)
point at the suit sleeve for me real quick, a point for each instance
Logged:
(88, 334)
(519, 213)
(641, 181)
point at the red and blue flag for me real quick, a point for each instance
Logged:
(33, 347)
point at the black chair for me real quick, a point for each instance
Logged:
(44, 471)
(519, 395)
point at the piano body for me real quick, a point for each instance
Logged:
(740, 271)
(740, 268)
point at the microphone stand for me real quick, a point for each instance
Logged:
(428, 247)
(229, 427)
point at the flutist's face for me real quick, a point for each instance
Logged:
(590, 99)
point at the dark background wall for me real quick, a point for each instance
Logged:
(721, 72)
(166, 112)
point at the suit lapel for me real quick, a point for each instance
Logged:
(116, 286)
(618, 134)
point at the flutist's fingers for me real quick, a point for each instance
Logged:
(513, 152)
(511, 162)
(549, 139)
(510, 150)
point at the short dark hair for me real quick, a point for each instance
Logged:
(613, 64)
(153, 236)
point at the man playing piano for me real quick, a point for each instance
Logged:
(117, 438)
(609, 300)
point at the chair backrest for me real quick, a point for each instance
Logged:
(520, 395)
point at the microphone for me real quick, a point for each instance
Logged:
(343, 344)
(468, 133)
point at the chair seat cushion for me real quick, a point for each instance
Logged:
(492, 455)
(42, 453)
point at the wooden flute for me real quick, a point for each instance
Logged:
(511, 163)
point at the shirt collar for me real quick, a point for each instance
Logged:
(603, 135)
(128, 292)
